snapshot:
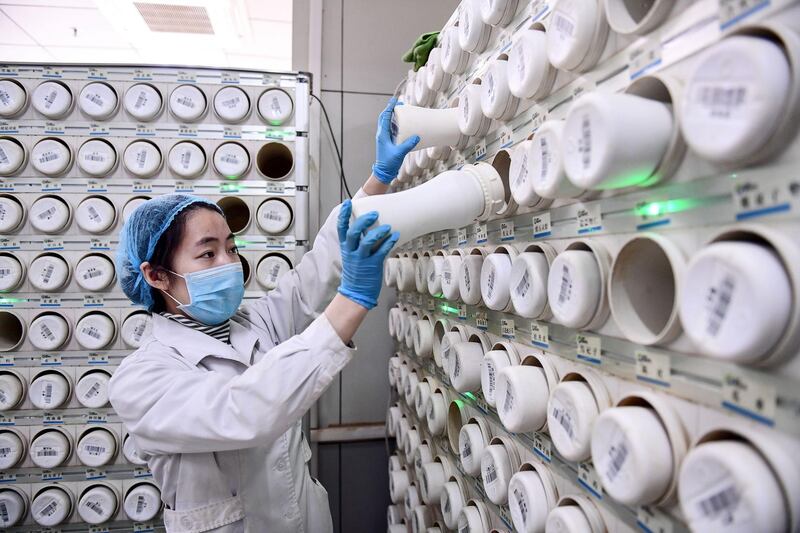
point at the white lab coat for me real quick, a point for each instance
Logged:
(219, 425)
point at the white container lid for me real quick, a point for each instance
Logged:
(439, 153)
(471, 444)
(135, 328)
(12, 98)
(187, 102)
(92, 389)
(735, 98)
(528, 283)
(473, 33)
(736, 300)
(130, 452)
(471, 120)
(274, 216)
(12, 449)
(142, 502)
(12, 156)
(410, 383)
(11, 214)
(421, 397)
(395, 515)
(231, 160)
(398, 485)
(728, 486)
(420, 273)
(450, 269)
(454, 58)
(451, 503)
(49, 390)
(572, 32)
(15, 507)
(49, 214)
(48, 332)
(568, 519)
(187, 159)
(143, 102)
(275, 106)
(520, 177)
(434, 275)
(547, 165)
(51, 157)
(522, 394)
(49, 449)
(411, 500)
(496, 472)
(95, 331)
(11, 390)
(436, 78)
(48, 273)
(423, 338)
(94, 272)
(11, 273)
(405, 274)
(98, 100)
(498, 12)
(470, 519)
(97, 505)
(493, 362)
(495, 275)
(530, 74)
(469, 279)
(270, 269)
(574, 287)
(528, 502)
(131, 205)
(465, 367)
(497, 102)
(412, 442)
(95, 214)
(52, 99)
(423, 94)
(231, 104)
(632, 454)
(97, 447)
(436, 413)
(571, 412)
(51, 507)
(142, 158)
(97, 158)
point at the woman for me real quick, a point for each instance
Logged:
(214, 398)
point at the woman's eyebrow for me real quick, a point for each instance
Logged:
(206, 240)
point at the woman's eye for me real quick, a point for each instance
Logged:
(208, 255)
(234, 250)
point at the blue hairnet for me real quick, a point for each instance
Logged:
(138, 239)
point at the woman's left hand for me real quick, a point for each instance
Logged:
(388, 155)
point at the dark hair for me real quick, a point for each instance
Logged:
(166, 245)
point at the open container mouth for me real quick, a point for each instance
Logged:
(456, 418)
(274, 161)
(636, 16)
(502, 164)
(603, 260)
(246, 270)
(12, 331)
(588, 509)
(16, 219)
(236, 211)
(643, 289)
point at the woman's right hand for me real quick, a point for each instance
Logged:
(362, 263)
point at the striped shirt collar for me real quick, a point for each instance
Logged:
(221, 332)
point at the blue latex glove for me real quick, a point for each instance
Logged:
(362, 267)
(389, 156)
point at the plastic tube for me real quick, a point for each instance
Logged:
(435, 127)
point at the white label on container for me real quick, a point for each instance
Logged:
(651, 520)
(445, 240)
(542, 446)
(541, 225)
(540, 334)
(481, 320)
(589, 218)
(480, 150)
(644, 57)
(508, 328)
(462, 311)
(481, 233)
(733, 12)
(506, 136)
(587, 477)
(755, 199)
(507, 230)
(653, 368)
(588, 348)
(750, 397)
(462, 236)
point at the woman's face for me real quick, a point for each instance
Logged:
(207, 242)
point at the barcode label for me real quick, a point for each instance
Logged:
(5, 272)
(546, 155)
(48, 393)
(466, 450)
(523, 285)
(138, 331)
(49, 99)
(47, 332)
(94, 156)
(564, 419)
(231, 103)
(93, 390)
(4, 512)
(522, 505)
(467, 280)
(564, 24)
(490, 281)
(724, 500)
(47, 213)
(140, 100)
(491, 474)
(5, 451)
(3, 157)
(94, 450)
(48, 156)
(456, 365)
(92, 272)
(94, 506)
(274, 271)
(585, 142)
(719, 300)
(141, 158)
(721, 100)
(230, 158)
(565, 292)
(95, 99)
(186, 159)
(446, 503)
(91, 331)
(49, 509)
(508, 402)
(46, 451)
(522, 175)
(186, 101)
(617, 454)
(140, 504)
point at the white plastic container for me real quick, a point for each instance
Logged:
(12, 214)
(434, 274)
(423, 95)
(471, 119)
(97, 158)
(530, 74)
(49, 214)
(270, 268)
(98, 101)
(51, 507)
(498, 12)
(16, 506)
(98, 504)
(12, 156)
(499, 357)
(48, 272)
(576, 34)
(52, 157)
(532, 495)
(574, 288)
(435, 127)
(13, 98)
(143, 102)
(469, 278)
(12, 273)
(615, 140)
(142, 159)
(130, 452)
(521, 399)
(94, 272)
(454, 58)
(528, 284)
(52, 99)
(736, 300)
(231, 160)
(571, 412)
(142, 502)
(626, 17)
(452, 501)
(12, 390)
(497, 102)
(450, 269)
(187, 103)
(275, 106)
(50, 448)
(92, 389)
(547, 163)
(95, 214)
(436, 78)
(274, 216)
(465, 367)
(735, 98)
(95, 331)
(187, 159)
(135, 328)
(12, 451)
(495, 276)
(473, 33)
(131, 205)
(96, 447)
(49, 390)
(231, 104)
(499, 461)
(472, 440)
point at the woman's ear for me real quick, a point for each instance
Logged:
(156, 278)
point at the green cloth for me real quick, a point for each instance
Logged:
(418, 54)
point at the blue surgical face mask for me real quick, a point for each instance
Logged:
(215, 293)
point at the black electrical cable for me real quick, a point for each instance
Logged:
(342, 177)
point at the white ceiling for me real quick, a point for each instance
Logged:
(247, 34)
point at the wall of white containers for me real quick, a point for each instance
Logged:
(617, 349)
(80, 148)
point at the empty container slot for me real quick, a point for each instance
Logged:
(275, 161)
(12, 331)
(236, 212)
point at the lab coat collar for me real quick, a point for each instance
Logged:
(194, 346)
